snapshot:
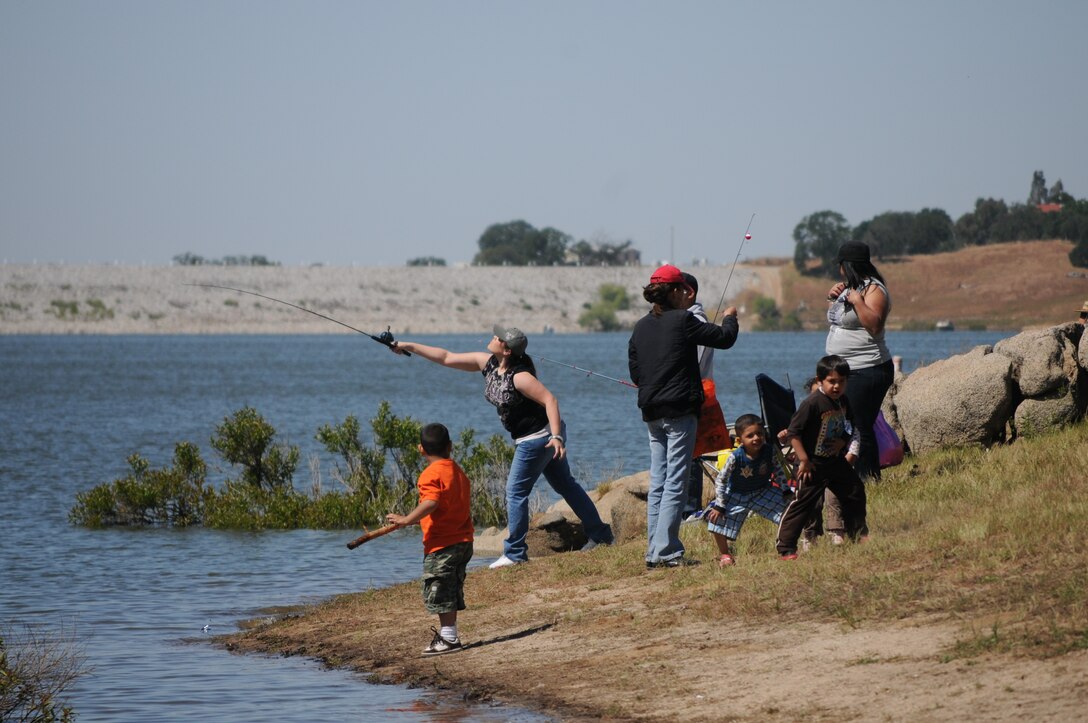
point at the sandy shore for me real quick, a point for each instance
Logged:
(102, 299)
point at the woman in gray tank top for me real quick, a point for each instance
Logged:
(858, 309)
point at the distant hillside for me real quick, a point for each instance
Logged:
(1002, 286)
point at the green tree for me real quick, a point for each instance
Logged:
(818, 236)
(246, 439)
(974, 227)
(518, 243)
(426, 261)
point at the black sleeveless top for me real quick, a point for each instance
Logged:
(520, 415)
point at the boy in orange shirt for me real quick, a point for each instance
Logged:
(443, 513)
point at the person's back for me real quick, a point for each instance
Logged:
(450, 522)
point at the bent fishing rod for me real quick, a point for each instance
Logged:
(386, 337)
(747, 236)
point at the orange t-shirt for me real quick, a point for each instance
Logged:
(450, 522)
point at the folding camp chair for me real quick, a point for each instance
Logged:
(778, 405)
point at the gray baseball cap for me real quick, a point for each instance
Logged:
(513, 337)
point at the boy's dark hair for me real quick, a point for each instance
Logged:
(435, 439)
(691, 281)
(745, 421)
(832, 363)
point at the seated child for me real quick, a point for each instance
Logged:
(819, 431)
(444, 514)
(744, 486)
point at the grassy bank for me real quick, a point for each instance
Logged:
(977, 565)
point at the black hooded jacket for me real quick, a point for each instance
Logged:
(663, 362)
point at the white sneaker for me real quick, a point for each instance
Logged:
(503, 561)
(836, 538)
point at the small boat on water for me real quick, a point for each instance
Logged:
(944, 325)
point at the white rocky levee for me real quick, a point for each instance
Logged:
(104, 299)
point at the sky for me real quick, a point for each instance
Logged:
(371, 133)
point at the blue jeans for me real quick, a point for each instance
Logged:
(531, 458)
(865, 392)
(672, 442)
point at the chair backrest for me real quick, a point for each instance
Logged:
(777, 403)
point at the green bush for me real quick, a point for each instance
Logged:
(245, 439)
(265, 498)
(172, 495)
(601, 314)
(769, 318)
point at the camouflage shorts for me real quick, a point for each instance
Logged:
(444, 578)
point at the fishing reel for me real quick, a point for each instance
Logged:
(386, 337)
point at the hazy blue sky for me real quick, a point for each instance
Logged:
(374, 132)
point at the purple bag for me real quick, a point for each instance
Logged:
(887, 441)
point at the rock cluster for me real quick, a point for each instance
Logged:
(1020, 386)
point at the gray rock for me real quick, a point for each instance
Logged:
(964, 400)
(1044, 359)
(1034, 416)
(1082, 352)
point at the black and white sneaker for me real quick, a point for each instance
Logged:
(441, 646)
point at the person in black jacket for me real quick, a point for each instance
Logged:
(663, 363)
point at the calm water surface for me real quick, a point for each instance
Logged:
(72, 409)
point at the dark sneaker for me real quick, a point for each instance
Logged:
(441, 646)
(674, 562)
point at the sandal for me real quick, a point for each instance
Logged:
(726, 560)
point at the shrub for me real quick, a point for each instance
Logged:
(35, 669)
(245, 439)
(172, 495)
(265, 498)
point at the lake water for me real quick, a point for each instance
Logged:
(72, 408)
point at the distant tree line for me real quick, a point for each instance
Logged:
(427, 261)
(518, 243)
(1046, 215)
(191, 259)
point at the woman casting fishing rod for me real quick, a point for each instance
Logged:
(530, 413)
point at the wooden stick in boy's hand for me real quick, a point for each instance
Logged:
(371, 535)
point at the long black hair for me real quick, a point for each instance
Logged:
(857, 271)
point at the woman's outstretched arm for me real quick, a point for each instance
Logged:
(469, 361)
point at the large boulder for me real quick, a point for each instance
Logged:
(621, 503)
(963, 400)
(1038, 415)
(1044, 359)
(1082, 350)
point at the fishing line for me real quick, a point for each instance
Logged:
(385, 337)
(589, 373)
(747, 236)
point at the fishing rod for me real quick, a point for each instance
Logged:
(590, 373)
(747, 236)
(386, 337)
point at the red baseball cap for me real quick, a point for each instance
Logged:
(667, 274)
